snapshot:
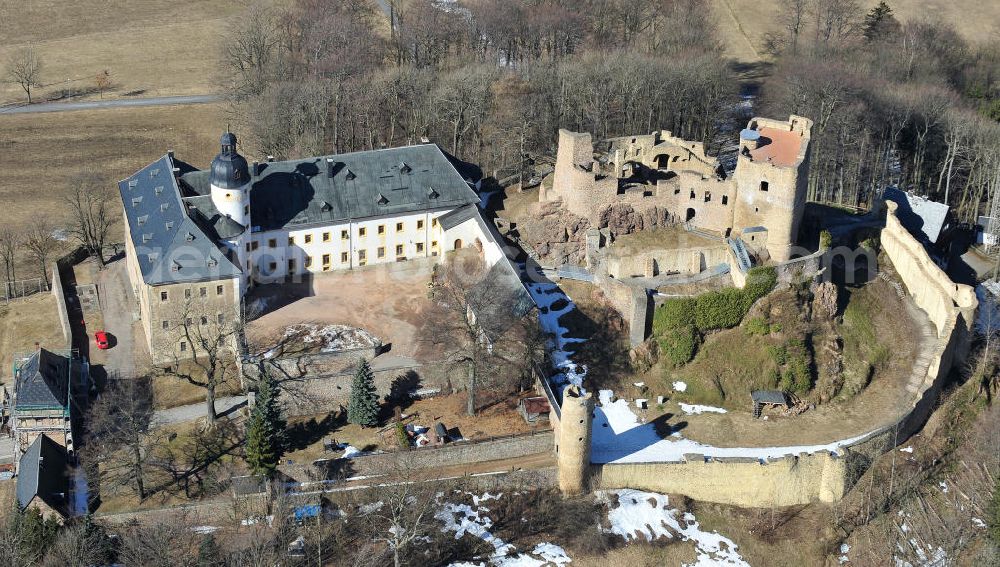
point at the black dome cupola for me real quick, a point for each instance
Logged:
(229, 169)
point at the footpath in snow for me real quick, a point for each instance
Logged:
(552, 304)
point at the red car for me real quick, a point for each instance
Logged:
(101, 338)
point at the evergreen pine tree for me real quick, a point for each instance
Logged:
(362, 409)
(209, 552)
(879, 22)
(265, 429)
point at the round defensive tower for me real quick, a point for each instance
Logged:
(574, 441)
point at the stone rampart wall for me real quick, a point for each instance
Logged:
(58, 292)
(794, 479)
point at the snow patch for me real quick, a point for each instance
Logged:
(694, 409)
(619, 437)
(634, 514)
(463, 519)
(907, 450)
(545, 297)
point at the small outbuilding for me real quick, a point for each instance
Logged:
(43, 479)
(534, 410)
(774, 398)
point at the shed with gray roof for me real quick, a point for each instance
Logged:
(43, 477)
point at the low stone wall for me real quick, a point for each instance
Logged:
(458, 453)
(654, 262)
(57, 292)
(787, 481)
(798, 268)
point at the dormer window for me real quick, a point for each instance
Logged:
(141, 220)
(382, 200)
(403, 168)
(158, 189)
(175, 266)
(349, 175)
(152, 256)
(146, 237)
(136, 201)
(432, 194)
(212, 262)
(164, 206)
(189, 237)
(132, 183)
(154, 172)
(169, 225)
(326, 207)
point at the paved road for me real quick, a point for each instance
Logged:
(115, 103)
(116, 307)
(195, 411)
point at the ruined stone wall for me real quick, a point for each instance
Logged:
(632, 302)
(787, 481)
(657, 262)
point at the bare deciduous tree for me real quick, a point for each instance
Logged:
(41, 245)
(119, 434)
(210, 338)
(102, 81)
(479, 323)
(25, 69)
(10, 241)
(92, 212)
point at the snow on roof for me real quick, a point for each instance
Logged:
(918, 214)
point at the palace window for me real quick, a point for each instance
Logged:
(381, 252)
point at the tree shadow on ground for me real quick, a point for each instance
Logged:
(306, 433)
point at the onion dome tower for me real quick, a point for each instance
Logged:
(230, 180)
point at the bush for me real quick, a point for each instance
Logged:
(758, 326)
(677, 346)
(674, 314)
(825, 239)
(721, 309)
(797, 376)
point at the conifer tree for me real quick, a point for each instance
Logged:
(362, 409)
(879, 22)
(265, 429)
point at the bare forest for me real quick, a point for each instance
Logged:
(492, 81)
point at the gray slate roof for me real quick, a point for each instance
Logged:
(769, 397)
(364, 184)
(43, 381)
(43, 471)
(171, 247)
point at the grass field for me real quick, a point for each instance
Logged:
(742, 24)
(25, 322)
(41, 152)
(147, 45)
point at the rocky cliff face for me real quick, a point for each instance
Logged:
(623, 219)
(556, 235)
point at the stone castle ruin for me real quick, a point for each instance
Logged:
(668, 177)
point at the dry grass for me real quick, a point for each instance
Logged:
(499, 419)
(742, 24)
(147, 45)
(25, 322)
(42, 152)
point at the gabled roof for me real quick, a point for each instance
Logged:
(362, 185)
(43, 382)
(43, 471)
(170, 246)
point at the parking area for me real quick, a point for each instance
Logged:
(385, 300)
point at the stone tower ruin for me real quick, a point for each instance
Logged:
(574, 441)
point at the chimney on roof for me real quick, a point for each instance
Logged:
(329, 167)
(270, 159)
(253, 168)
(170, 154)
